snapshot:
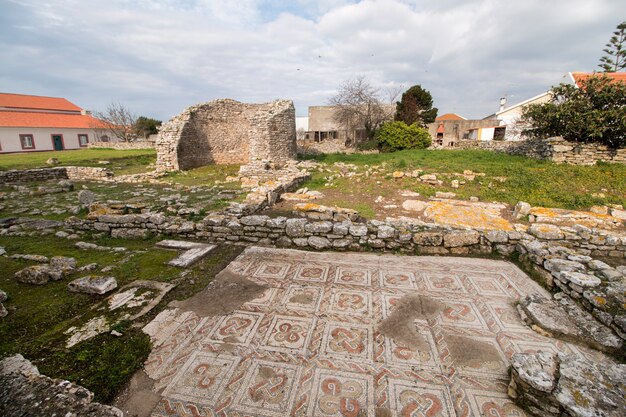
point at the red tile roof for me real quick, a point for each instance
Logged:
(615, 76)
(23, 101)
(450, 116)
(33, 119)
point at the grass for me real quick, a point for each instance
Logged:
(39, 315)
(122, 162)
(540, 183)
(206, 176)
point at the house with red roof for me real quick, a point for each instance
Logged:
(36, 123)
(509, 116)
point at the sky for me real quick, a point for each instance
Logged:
(157, 57)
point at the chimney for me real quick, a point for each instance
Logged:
(502, 103)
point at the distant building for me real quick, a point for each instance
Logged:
(509, 126)
(450, 128)
(36, 123)
(322, 126)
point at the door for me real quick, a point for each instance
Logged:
(57, 141)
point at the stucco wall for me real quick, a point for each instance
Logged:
(10, 138)
(228, 132)
(454, 129)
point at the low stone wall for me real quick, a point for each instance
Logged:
(341, 231)
(594, 284)
(123, 146)
(56, 173)
(552, 149)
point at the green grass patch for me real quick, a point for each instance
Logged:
(122, 161)
(39, 315)
(540, 183)
(207, 175)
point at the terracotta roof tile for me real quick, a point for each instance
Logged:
(450, 116)
(615, 76)
(23, 101)
(32, 119)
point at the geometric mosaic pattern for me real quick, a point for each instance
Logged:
(310, 344)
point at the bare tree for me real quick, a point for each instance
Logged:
(117, 121)
(358, 106)
(300, 134)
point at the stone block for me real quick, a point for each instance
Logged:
(295, 227)
(191, 256)
(35, 274)
(358, 230)
(385, 232)
(93, 284)
(318, 242)
(464, 238)
(428, 238)
(132, 233)
(546, 231)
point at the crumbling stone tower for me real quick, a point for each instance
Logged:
(228, 132)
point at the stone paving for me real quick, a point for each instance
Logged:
(323, 339)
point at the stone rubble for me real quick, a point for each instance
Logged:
(25, 392)
(58, 268)
(550, 385)
(129, 303)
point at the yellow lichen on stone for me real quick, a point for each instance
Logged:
(478, 216)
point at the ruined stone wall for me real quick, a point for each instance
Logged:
(56, 173)
(552, 149)
(228, 132)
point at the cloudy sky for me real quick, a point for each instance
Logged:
(159, 56)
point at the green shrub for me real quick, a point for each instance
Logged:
(394, 136)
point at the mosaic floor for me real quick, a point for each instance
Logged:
(311, 344)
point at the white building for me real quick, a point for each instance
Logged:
(35, 123)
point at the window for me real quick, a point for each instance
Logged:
(83, 139)
(104, 138)
(27, 141)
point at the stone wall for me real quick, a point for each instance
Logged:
(123, 146)
(228, 132)
(552, 149)
(311, 147)
(56, 173)
(342, 230)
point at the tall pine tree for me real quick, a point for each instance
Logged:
(615, 58)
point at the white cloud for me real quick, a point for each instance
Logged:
(163, 55)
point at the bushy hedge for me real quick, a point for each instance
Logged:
(394, 136)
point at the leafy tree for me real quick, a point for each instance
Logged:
(397, 135)
(146, 126)
(615, 58)
(594, 112)
(359, 105)
(416, 106)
